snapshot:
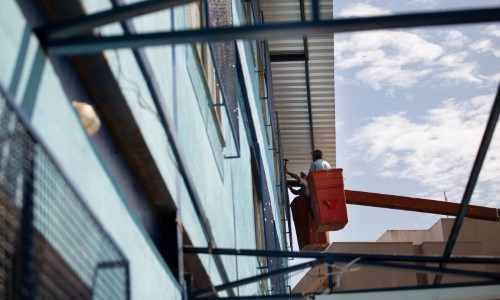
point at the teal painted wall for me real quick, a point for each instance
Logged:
(30, 77)
(226, 192)
(224, 185)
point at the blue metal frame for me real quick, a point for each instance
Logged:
(312, 295)
(81, 45)
(77, 26)
(348, 257)
(375, 260)
(85, 45)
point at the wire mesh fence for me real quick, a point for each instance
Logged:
(219, 13)
(51, 246)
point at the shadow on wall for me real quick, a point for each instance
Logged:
(28, 100)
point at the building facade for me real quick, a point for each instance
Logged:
(114, 161)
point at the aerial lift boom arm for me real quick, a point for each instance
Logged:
(420, 205)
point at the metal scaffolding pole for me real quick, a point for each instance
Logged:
(117, 14)
(83, 45)
(346, 256)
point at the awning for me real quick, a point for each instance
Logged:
(303, 85)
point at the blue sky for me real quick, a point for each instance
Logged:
(411, 107)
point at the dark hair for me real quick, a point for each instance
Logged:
(317, 154)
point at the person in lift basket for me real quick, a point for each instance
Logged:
(318, 162)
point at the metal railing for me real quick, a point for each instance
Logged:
(51, 246)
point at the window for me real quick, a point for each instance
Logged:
(197, 20)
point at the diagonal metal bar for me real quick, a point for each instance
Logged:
(117, 14)
(84, 45)
(248, 280)
(469, 189)
(153, 86)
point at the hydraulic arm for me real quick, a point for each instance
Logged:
(420, 205)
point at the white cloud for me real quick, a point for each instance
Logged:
(389, 93)
(428, 3)
(394, 59)
(390, 75)
(455, 39)
(482, 46)
(436, 150)
(387, 58)
(487, 45)
(457, 69)
(363, 10)
(494, 77)
(493, 30)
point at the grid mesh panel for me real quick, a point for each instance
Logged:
(51, 247)
(220, 14)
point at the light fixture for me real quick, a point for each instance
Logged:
(88, 116)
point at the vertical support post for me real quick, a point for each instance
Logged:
(188, 283)
(283, 186)
(315, 10)
(127, 281)
(27, 278)
(308, 81)
(330, 278)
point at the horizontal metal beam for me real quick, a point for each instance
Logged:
(319, 261)
(456, 292)
(420, 205)
(484, 290)
(330, 256)
(288, 57)
(85, 45)
(122, 13)
(371, 293)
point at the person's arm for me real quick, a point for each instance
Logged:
(294, 176)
